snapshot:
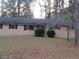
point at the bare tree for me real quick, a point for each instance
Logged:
(13, 7)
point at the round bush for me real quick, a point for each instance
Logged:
(39, 32)
(51, 33)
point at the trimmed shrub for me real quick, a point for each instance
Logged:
(51, 33)
(39, 32)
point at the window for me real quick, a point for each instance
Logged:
(1, 26)
(55, 27)
(25, 27)
(12, 26)
(43, 27)
(31, 27)
(71, 27)
(40, 27)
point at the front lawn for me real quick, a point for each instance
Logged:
(23, 47)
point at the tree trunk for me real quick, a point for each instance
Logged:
(18, 4)
(67, 33)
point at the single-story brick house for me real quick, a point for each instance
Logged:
(62, 25)
(26, 26)
(21, 25)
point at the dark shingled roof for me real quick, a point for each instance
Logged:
(62, 20)
(66, 21)
(22, 21)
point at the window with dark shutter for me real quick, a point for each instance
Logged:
(12, 26)
(31, 27)
(25, 27)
